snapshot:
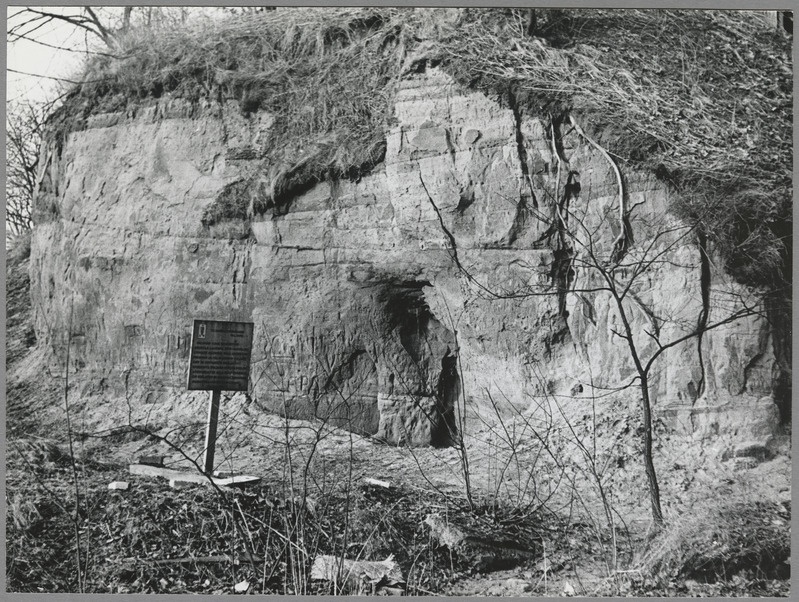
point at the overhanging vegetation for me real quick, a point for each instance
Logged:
(703, 99)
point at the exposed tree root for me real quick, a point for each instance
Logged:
(703, 315)
(625, 237)
(561, 160)
(562, 270)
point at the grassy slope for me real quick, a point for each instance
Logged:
(31, 392)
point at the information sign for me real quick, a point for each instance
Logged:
(220, 356)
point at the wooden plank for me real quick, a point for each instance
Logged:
(237, 480)
(148, 470)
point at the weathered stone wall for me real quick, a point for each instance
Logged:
(375, 302)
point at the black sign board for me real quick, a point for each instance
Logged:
(220, 356)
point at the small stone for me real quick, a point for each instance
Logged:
(242, 587)
(377, 483)
(567, 590)
(119, 485)
(517, 584)
(471, 136)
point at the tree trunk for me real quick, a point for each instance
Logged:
(643, 374)
(654, 490)
(531, 22)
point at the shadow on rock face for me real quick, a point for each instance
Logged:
(445, 432)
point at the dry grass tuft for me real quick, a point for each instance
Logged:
(705, 94)
(325, 75)
(701, 98)
(716, 543)
(37, 452)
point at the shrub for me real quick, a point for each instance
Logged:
(718, 542)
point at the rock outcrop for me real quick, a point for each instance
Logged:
(441, 278)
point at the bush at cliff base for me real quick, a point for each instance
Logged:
(718, 543)
(702, 99)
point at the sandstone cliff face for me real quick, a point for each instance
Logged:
(380, 304)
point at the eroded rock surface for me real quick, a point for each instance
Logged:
(380, 304)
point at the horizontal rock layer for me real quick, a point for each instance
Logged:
(380, 305)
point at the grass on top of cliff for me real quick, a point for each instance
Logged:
(701, 98)
(325, 75)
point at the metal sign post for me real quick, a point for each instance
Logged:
(210, 432)
(219, 361)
